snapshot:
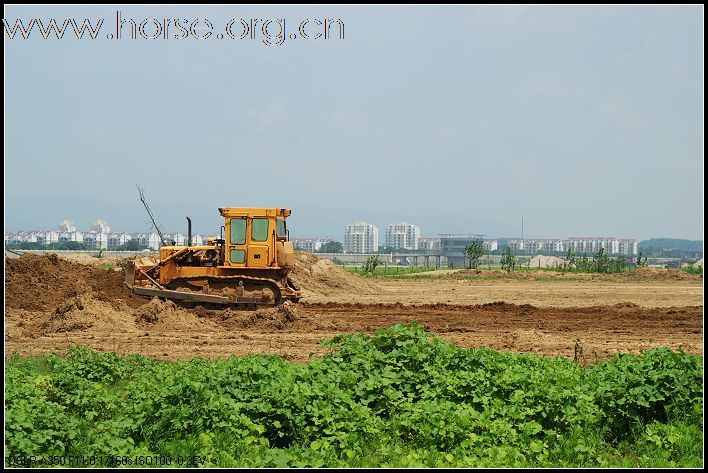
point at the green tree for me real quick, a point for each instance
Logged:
(569, 262)
(508, 260)
(131, 245)
(371, 263)
(601, 262)
(641, 262)
(331, 247)
(619, 264)
(474, 251)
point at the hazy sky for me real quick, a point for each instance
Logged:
(583, 120)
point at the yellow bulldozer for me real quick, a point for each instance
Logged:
(248, 265)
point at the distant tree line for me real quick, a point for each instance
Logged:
(132, 245)
(331, 247)
(671, 248)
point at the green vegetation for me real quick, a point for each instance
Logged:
(132, 245)
(108, 266)
(671, 247)
(62, 245)
(399, 398)
(331, 247)
(370, 266)
(508, 260)
(599, 263)
(474, 251)
(642, 262)
(391, 271)
(693, 269)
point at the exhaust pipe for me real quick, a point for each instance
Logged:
(189, 231)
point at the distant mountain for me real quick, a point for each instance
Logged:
(666, 244)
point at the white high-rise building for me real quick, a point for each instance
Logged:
(361, 237)
(402, 235)
(627, 246)
(67, 226)
(100, 226)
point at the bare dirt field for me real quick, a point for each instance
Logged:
(52, 303)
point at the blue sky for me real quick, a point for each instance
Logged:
(583, 120)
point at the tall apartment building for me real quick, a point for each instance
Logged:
(402, 235)
(361, 237)
(66, 226)
(100, 226)
(627, 246)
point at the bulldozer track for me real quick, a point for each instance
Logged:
(236, 278)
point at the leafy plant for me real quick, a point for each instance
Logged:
(474, 251)
(400, 397)
(371, 263)
(508, 260)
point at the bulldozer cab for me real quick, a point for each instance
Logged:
(256, 238)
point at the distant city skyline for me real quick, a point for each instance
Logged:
(68, 225)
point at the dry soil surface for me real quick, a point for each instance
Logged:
(52, 303)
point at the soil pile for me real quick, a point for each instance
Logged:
(154, 310)
(267, 318)
(662, 274)
(104, 262)
(322, 276)
(168, 316)
(42, 282)
(87, 312)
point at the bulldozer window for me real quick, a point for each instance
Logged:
(280, 228)
(238, 231)
(238, 256)
(259, 229)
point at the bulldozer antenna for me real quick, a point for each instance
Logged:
(147, 207)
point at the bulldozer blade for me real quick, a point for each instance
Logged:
(185, 296)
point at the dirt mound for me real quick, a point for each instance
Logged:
(154, 310)
(41, 282)
(168, 316)
(661, 273)
(104, 262)
(322, 276)
(87, 312)
(267, 318)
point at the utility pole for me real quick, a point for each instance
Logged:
(522, 228)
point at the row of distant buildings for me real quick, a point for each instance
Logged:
(363, 238)
(612, 245)
(359, 238)
(99, 237)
